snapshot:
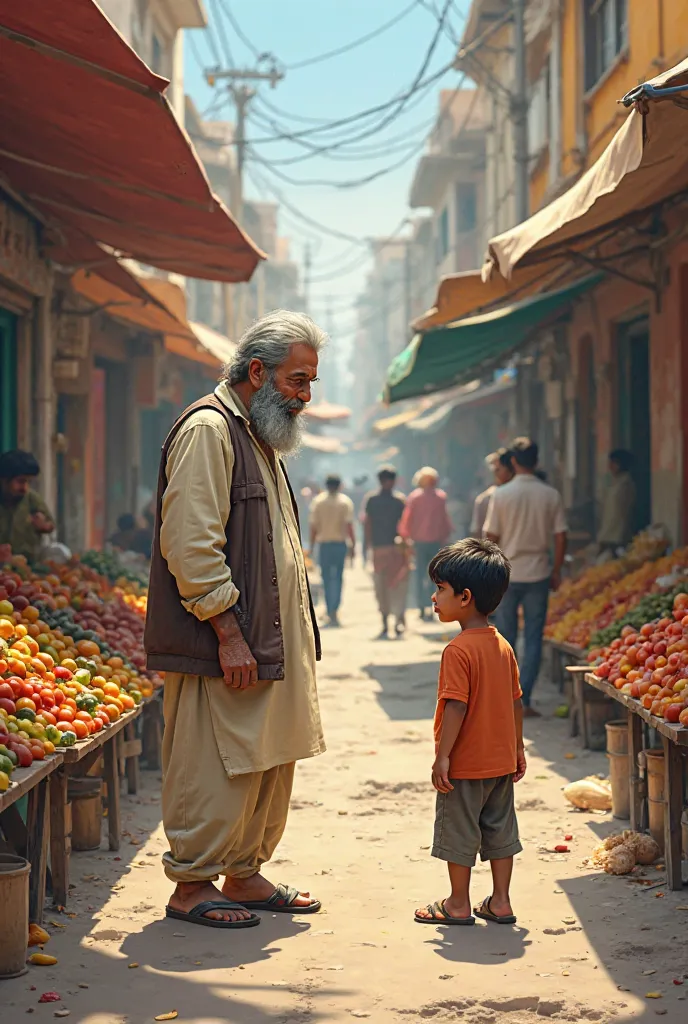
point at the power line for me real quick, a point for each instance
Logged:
(355, 42)
(217, 4)
(239, 31)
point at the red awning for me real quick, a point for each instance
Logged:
(90, 140)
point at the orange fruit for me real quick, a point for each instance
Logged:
(111, 689)
(81, 729)
(112, 711)
(65, 714)
(49, 747)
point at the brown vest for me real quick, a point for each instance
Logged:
(175, 640)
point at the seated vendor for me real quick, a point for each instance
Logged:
(24, 516)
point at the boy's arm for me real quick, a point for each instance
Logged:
(520, 751)
(452, 720)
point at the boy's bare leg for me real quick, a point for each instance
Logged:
(500, 903)
(459, 903)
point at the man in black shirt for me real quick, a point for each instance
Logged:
(382, 511)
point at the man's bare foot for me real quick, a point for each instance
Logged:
(257, 888)
(188, 895)
(450, 906)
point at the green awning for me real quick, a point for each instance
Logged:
(461, 351)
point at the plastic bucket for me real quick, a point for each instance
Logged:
(654, 759)
(14, 914)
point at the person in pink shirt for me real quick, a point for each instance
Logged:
(427, 525)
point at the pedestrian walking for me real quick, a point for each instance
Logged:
(24, 517)
(479, 750)
(382, 512)
(332, 528)
(499, 465)
(231, 623)
(427, 525)
(526, 518)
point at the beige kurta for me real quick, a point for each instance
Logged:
(275, 722)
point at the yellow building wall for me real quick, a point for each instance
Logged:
(657, 39)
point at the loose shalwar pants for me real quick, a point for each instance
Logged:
(216, 824)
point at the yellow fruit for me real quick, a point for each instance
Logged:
(4, 782)
(37, 935)
(42, 960)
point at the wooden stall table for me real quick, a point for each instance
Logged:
(30, 840)
(675, 743)
(562, 656)
(113, 744)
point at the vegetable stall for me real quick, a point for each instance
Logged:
(73, 686)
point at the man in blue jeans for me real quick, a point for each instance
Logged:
(332, 528)
(526, 518)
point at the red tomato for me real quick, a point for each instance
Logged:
(97, 724)
(49, 717)
(6, 691)
(80, 728)
(47, 698)
(65, 714)
(65, 726)
(59, 697)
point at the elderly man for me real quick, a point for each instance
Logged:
(231, 623)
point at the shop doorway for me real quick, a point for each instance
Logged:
(8, 381)
(633, 410)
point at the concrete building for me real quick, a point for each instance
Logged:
(449, 181)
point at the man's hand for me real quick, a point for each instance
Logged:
(238, 664)
(555, 580)
(41, 523)
(440, 775)
(521, 765)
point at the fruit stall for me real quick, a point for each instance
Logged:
(73, 684)
(645, 669)
(590, 610)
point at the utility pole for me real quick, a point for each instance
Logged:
(519, 114)
(242, 94)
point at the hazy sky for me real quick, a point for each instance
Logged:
(371, 74)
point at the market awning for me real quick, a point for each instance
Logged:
(91, 142)
(645, 164)
(327, 412)
(399, 419)
(467, 294)
(470, 395)
(161, 309)
(326, 445)
(461, 351)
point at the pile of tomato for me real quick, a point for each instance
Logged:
(650, 665)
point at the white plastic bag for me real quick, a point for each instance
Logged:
(590, 794)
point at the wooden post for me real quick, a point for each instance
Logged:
(673, 797)
(635, 745)
(37, 838)
(112, 783)
(579, 690)
(60, 838)
(132, 750)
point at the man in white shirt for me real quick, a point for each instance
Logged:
(332, 526)
(526, 518)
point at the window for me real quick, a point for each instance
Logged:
(539, 113)
(466, 213)
(156, 55)
(443, 235)
(606, 36)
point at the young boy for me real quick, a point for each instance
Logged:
(478, 734)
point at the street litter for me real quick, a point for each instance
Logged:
(590, 794)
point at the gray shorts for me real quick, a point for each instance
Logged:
(478, 815)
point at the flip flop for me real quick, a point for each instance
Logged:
(483, 911)
(282, 902)
(438, 915)
(195, 916)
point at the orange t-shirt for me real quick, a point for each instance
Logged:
(479, 668)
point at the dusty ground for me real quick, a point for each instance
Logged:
(587, 946)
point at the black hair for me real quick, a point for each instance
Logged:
(476, 565)
(18, 463)
(623, 459)
(333, 482)
(505, 456)
(126, 522)
(387, 473)
(525, 451)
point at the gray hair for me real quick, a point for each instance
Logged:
(269, 339)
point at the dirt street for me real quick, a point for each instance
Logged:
(587, 946)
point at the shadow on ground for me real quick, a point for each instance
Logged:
(407, 692)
